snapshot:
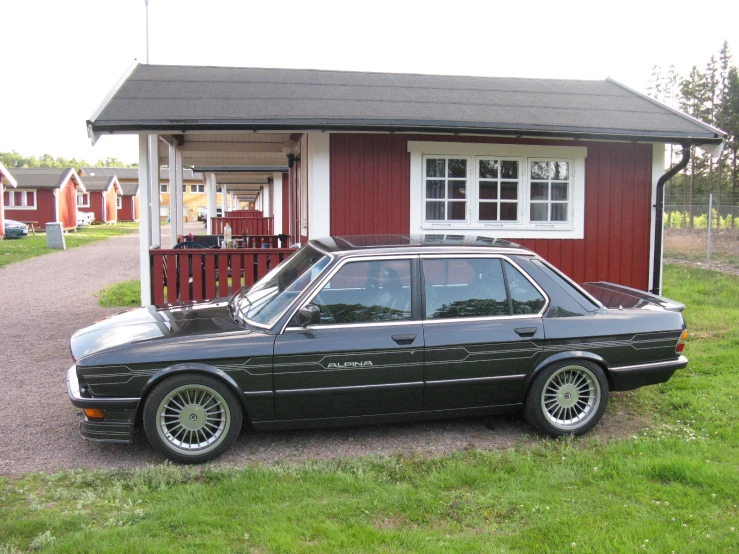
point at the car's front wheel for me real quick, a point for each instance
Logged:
(192, 418)
(567, 398)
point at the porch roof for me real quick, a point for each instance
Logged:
(174, 99)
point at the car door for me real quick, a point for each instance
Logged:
(482, 330)
(365, 357)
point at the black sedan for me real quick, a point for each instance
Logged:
(372, 329)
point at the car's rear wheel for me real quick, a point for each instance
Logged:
(567, 398)
(192, 418)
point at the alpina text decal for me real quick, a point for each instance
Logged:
(341, 365)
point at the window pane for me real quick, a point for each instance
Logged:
(539, 191)
(488, 169)
(435, 211)
(457, 189)
(30, 199)
(509, 191)
(18, 198)
(481, 293)
(6, 197)
(488, 190)
(457, 211)
(380, 291)
(559, 191)
(539, 212)
(509, 170)
(539, 170)
(488, 211)
(434, 189)
(163, 188)
(435, 167)
(559, 211)
(560, 171)
(526, 299)
(508, 211)
(457, 168)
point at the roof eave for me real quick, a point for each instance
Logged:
(130, 127)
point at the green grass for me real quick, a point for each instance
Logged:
(16, 250)
(126, 294)
(671, 487)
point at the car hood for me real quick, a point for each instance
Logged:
(152, 324)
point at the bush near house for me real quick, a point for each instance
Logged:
(672, 486)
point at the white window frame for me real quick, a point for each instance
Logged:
(118, 202)
(574, 228)
(83, 204)
(199, 189)
(24, 205)
(163, 188)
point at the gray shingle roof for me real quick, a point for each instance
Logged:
(120, 172)
(187, 97)
(98, 184)
(43, 178)
(130, 189)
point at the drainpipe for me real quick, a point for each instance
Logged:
(659, 216)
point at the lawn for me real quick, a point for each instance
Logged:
(16, 250)
(673, 486)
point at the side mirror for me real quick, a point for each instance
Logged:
(307, 315)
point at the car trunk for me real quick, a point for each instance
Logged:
(617, 297)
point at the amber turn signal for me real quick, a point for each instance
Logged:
(94, 413)
(681, 343)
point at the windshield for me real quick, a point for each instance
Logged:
(266, 300)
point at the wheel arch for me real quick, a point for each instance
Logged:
(191, 367)
(572, 355)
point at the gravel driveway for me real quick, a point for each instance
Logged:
(45, 299)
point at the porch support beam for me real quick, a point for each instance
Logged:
(175, 194)
(212, 199)
(224, 199)
(319, 185)
(154, 187)
(277, 202)
(144, 220)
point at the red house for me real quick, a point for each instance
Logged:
(573, 170)
(44, 195)
(128, 178)
(102, 197)
(129, 202)
(6, 181)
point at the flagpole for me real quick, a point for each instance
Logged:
(146, 2)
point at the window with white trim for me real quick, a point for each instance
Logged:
(163, 187)
(498, 190)
(83, 199)
(20, 199)
(198, 189)
(118, 202)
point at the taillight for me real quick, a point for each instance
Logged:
(681, 343)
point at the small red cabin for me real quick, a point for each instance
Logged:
(103, 197)
(6, 181)
(129, 202)
(44, 195)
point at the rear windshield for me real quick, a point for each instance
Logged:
(569, 286)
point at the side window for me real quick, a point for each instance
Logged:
(367, 292)
(526, 299)
(464, 287)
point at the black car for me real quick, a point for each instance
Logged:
(370, 329)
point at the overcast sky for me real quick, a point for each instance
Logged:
(60, 58)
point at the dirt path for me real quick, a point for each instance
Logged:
(44, 300)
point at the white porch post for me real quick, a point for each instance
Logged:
(224, 199)
(155, 220)
(180, 194)
(277, 201)
(175, 193)
(319, 185)
(212, 199)
(144, 221)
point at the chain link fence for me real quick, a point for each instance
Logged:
(702, 229)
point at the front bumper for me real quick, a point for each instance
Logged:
(15, 233)
(120, 413)
(635, 376)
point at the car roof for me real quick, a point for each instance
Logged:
(397, 244)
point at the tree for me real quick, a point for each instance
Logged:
(14, 159)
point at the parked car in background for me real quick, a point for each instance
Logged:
(371, 329)
(85, 218)
(202, 214)
(15, 229)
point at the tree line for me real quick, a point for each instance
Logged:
(15, 160)
(712, 96)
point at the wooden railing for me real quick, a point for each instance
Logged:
(244, 213)
(248, 241)
(241, 225)
(184, 275)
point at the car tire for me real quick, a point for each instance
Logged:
(567, 398)
(192, 418)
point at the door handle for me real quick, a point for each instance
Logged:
(525, 331)
(404, 339)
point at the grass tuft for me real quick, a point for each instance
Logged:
(126, 294)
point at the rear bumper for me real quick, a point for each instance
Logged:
(120, 413)
(635, 376)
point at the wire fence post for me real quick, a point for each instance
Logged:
(710, 224)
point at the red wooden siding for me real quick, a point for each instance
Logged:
(68, 205)
(96, 205)
(111, 210)
(370, 193)
(44, 212)
(128, 209)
